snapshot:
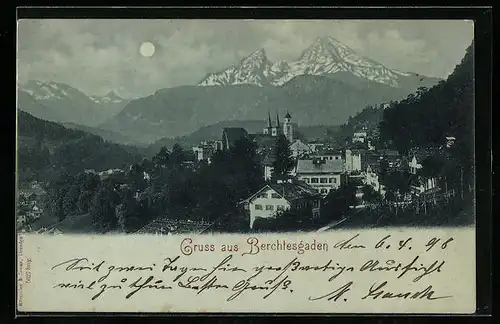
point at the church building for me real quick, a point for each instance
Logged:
(278, 129)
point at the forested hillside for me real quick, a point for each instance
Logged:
(47, 148)
(367, 120)
(426, 118)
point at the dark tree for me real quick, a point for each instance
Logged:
(136, 177)
(70, 200)
(161, 158)
(177, 156)
(370, 195)
(102, 209)
(57, 208)
(84, 200)
(398, 184)
(384, 170)
(432, 166)
(283, 162)
(128, 218)
(338, 202)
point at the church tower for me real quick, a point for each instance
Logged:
(287, 127)
(268, 129)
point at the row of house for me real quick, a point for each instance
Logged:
(313, 178)
(318, 169)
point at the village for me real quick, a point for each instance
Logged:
(318, 169)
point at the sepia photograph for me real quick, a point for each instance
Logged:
(237, 126)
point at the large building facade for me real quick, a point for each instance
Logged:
(322, 175)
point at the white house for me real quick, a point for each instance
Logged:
(300, 148)
(372, 179)
(328, 155)
(359, 137)
(204, 151)
(279, 196)
(316, 145)
(414, 165)
(371, 147)
(322, 175)
(352, 161)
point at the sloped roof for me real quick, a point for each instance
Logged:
(424, 153)
(289, 190)
(294, 190)
(388, 152)
(264, 141)
(233, 134)
(329, 152)
(299, 144)
(314, 166)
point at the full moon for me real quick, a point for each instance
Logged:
(147, 49)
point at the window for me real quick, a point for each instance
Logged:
(330, 180)
(323, 180)
(258, 207)
(315, 214)
(324, 191)
(275, 195)
(263, 195)
(314, 180)
(331, 157)
(334, 180)
(316, 203)
(269, 207)
(280, 207)
(306, 180)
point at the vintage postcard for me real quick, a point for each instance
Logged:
(245, 166)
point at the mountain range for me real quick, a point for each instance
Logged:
(325, 56)
(59, 102)
(326, 85)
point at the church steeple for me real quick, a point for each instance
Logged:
(277, 120)
(269, 123)
(287, 127)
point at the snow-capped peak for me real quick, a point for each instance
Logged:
(48, 90)
(326, 56)
(280, 66)
(325, 48)
(253, 69)
(111, 97)
(257, 57)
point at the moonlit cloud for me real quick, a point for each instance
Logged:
(97, 56)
